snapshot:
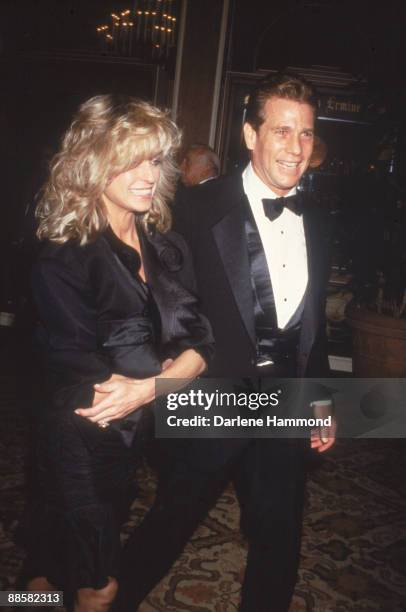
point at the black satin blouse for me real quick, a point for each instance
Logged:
(97, 317)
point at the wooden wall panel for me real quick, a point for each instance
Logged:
(199, 61)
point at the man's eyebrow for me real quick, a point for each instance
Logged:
(288, 127)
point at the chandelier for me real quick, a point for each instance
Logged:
(147, 30)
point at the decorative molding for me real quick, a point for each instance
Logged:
(219, 73)
(179, 56)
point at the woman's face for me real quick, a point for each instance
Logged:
(132, 191)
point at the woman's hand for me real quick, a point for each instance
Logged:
(117, 397)
(166, 364)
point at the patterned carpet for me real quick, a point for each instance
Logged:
(354, 545)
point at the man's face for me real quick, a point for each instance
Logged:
(282, 146)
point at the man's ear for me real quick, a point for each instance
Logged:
(250, 136)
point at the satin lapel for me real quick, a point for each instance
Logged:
(231, 242)
(310, 309)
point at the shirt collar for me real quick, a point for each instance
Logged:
(127, 255)
(255, 188)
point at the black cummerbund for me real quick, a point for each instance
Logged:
(279, 347)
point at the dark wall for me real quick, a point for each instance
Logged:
(51, 61)
(359, 37)
(203, 23)
(36, 107)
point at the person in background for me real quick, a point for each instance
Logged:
(199, 164)
(113, 288)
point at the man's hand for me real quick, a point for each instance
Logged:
(323, 438)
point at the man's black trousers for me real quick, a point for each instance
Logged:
(269, 478)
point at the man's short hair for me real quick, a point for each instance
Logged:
(207, 154)
(281, 85)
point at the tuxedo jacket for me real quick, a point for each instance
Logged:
(211, 218)
(96, 317)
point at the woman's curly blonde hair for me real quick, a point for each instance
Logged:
(107, 136)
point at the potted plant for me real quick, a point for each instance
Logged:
(377, 315)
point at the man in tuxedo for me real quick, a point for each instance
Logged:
(260, 255)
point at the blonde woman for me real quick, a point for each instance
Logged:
(114, 292)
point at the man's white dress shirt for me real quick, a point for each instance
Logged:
(285, 248)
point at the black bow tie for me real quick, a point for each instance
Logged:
(274, 207)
